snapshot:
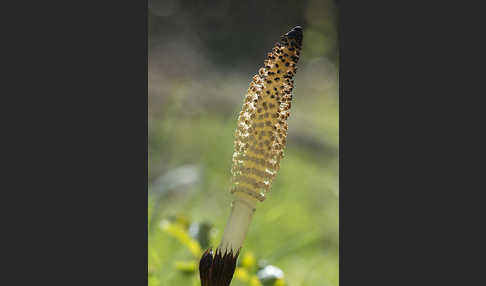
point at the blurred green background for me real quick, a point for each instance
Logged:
(202, 56)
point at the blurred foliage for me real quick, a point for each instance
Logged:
(246, 273)
(202, 57)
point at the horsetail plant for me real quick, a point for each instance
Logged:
(260, 140)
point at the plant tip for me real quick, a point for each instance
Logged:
(295, 33)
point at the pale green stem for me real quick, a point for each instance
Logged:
(234, 234)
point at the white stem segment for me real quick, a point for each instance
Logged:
(234, 234)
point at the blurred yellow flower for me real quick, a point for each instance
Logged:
(254, 281)
(279, 282)
(248, 260)
(180, 233)
(186, 266)
(242, 274)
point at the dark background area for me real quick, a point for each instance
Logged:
(229, 33)
(75, 143)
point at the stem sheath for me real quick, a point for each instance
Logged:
(241, 214)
